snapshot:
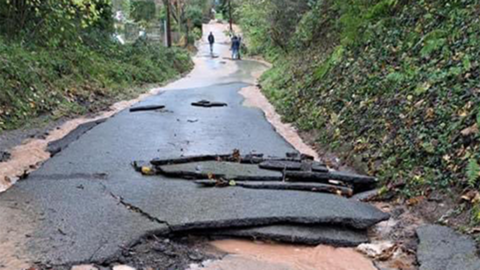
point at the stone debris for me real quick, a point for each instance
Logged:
(374, 250)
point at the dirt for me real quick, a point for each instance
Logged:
(157, 253)
(165, 253)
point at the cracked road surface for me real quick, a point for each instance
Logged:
(87, 202)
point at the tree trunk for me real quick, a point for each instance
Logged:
(169, 28)
(230, 14)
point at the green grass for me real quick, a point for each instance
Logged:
(38, 81)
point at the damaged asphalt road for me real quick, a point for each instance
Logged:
(87, 219)
(87, 203)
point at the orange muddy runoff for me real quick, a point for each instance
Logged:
(263, 256)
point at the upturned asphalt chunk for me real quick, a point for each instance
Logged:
(184, 205)
(226, 170)
(56, 146)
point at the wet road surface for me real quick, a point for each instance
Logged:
(87, 202)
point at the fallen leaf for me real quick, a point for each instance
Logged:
(470, 130)
(430, 113)
(415, 200)
(471, 196)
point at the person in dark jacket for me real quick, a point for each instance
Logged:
(211, 40)
(235, 47)
(239, 48)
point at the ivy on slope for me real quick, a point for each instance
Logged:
(398, 91)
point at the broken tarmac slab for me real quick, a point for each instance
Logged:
(292, 168)
(184, 206)
(281, 165)
(299, 234)
(147, 108)
(366, 195)
(252, 158)
(208, 104)
(359, 182)
(57, 146)
(81, 221)
(274, 185)
(248, 159)
(216, 169)
(441, 248)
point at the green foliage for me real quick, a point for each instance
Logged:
(475, 214)
(270, 25)
(473, 172)
(143, 10)
(53, 23)
(334, 58)
(194, 16)
(253, 21)
(43, 81)
(391, 86)
(433, 41)
(57, 57)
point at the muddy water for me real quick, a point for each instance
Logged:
(264, 256)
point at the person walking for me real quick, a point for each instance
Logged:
(239, 48)
(235, 47)
(211, 41)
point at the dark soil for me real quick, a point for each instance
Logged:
(158, 253)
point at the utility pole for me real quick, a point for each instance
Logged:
(230, 14)
(169, 28)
